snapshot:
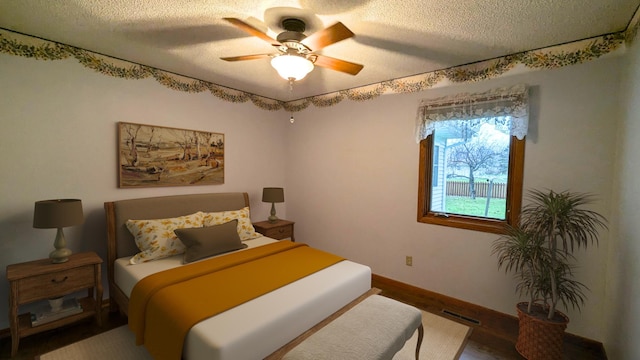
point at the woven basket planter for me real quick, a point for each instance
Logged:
(538, 337)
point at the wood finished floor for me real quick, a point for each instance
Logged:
(481, 345)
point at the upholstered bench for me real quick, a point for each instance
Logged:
(376, 328)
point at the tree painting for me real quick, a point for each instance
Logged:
(162, 156)
(131, 131)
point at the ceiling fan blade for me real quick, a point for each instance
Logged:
(331, 35)
(252, 30)
(338, 65)
(246, 57)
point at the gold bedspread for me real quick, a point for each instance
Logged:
(164, 306)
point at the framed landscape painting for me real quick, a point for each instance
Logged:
(162, 156)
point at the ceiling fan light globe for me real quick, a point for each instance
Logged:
(292, 66)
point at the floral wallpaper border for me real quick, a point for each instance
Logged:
(548, 58)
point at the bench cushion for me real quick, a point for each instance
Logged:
(377, 328)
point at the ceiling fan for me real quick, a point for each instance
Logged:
(296, 54)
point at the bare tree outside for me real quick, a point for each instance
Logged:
(475, 146)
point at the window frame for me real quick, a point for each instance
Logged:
(513, 201)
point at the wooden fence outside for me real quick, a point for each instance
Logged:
(461, 188)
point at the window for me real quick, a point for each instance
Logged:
(472, 159)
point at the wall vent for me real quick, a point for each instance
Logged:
(461, 317)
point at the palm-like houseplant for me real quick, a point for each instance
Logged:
(540, 253)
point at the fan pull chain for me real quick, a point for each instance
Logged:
(291, 80)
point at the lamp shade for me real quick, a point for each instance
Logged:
(292, 66)
(273, 195)
(59, 213)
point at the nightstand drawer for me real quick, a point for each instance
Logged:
(55, 283)
(279, 233)
(279, 229)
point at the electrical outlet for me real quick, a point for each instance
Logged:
(409, 261)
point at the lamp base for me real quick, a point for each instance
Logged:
(60, 255)
(273, 218)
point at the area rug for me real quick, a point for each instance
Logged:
(119, 343)
(443, 340)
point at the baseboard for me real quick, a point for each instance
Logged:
(494, 322)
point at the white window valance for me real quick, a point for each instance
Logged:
(513, 102)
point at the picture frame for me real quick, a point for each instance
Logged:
(150, 156)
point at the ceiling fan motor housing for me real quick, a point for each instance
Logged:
(293, 24)
(294, 30)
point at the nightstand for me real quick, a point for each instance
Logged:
(281, 229)
(41, 279)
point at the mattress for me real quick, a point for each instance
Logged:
(257, 328)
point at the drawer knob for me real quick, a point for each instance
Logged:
(281, 230)
(59, 281)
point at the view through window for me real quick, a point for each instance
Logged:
(471, 167)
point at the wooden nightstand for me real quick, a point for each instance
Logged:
(281, 229)
(41, 279)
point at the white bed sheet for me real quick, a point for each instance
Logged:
(250, 332)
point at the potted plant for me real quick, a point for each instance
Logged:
(539, 251)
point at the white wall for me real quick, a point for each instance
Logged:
(352, 183)
(622, 312)
(58, 140)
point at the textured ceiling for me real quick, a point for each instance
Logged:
(393, 39)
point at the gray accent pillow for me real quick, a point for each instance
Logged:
(208, 241)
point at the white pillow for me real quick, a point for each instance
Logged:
(155, 238)
(245, 228)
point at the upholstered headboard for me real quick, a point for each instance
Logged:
(120, 242)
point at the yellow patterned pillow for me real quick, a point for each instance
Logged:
(156, 239)
(245, 228)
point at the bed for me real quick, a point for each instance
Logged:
(252, 330)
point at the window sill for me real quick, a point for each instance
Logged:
(465, 222)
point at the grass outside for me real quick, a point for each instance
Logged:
(467, 206)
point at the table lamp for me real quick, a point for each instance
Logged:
(56, 214)
(273, 195)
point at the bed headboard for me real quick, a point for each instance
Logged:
(120, 242)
